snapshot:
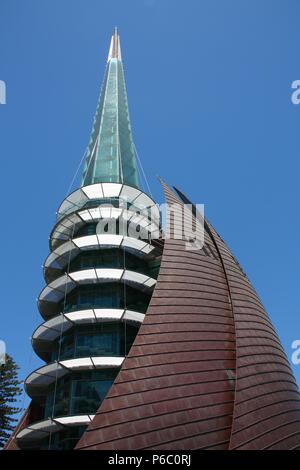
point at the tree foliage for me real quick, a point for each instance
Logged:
(10, 390)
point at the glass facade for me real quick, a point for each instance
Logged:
(86, 229)
(119, 228)
(63, 440)
(108, 295)
(109, 258)
(111, 156)
(105, 201)
(104, 339)
(79, 393)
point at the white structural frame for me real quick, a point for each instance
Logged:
(54, 292)
(52, 329)
(70, 223)
(137, 198)
(49, 373)
(99, 203)
(41, 429)
(61, 256)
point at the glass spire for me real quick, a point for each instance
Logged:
(111, 155)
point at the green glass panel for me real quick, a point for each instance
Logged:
(108, 295)
(111, 156)
(105, 339)
(79, 393)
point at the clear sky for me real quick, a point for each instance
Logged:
(209, 87)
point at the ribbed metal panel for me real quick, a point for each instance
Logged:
(174, 389)
(267, 402)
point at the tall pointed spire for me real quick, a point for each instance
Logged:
(111, 155)
(115, 47)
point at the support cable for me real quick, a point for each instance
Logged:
(77, 170)
(142, 169)
(29, 361)
(141, 179)
(80, 163)
(125, 306)
(60, 337)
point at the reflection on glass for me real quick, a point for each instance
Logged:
(79, 393)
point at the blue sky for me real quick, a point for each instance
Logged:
(209, 86)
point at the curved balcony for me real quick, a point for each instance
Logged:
(94, 192)
(109, 284)
(65, 253)
(70, 224)
(51, 330)
(37, 383)
(41, 429)
(51, 296)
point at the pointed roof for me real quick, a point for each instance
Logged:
(115, 47)
(111, 155)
